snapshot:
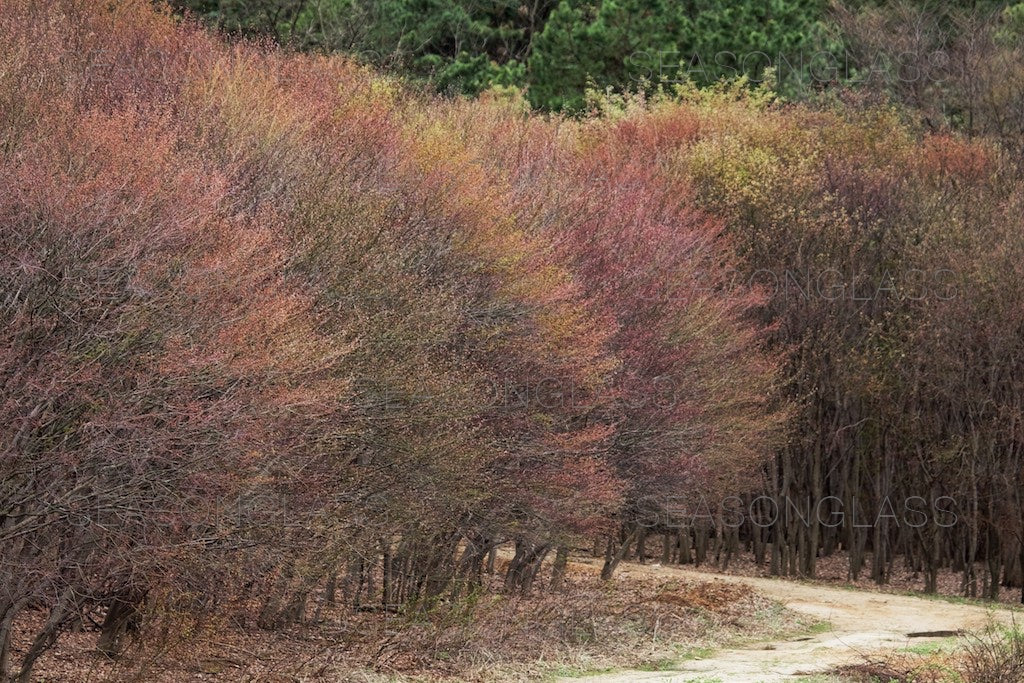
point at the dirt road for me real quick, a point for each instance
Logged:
(858, 622)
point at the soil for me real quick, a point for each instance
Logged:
(854, 624)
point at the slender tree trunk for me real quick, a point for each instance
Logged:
(122, 617)
(8, 612)
(558, 570)
(613, 556)
(47, 635)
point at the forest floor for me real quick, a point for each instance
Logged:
(853, 626)
(651, 623)
(643, 621)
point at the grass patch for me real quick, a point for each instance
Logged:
(932, 647)
(561, 672)
(693, 653)
(663, 664)
(993, 655)
(820, 627)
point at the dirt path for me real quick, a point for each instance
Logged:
(859, 622)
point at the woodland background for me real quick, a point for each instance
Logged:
(283, 328)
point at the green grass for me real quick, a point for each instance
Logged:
(820, 627)
(576, 672)
(931, 647)
(683, 654)
(664, 664)
(697, 653)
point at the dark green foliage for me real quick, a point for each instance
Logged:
(554, 50)
(558, 49)
(462, 46)
(625, 43)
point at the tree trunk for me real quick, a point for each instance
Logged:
(558, 570)
(122, 617)
(613, 556)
